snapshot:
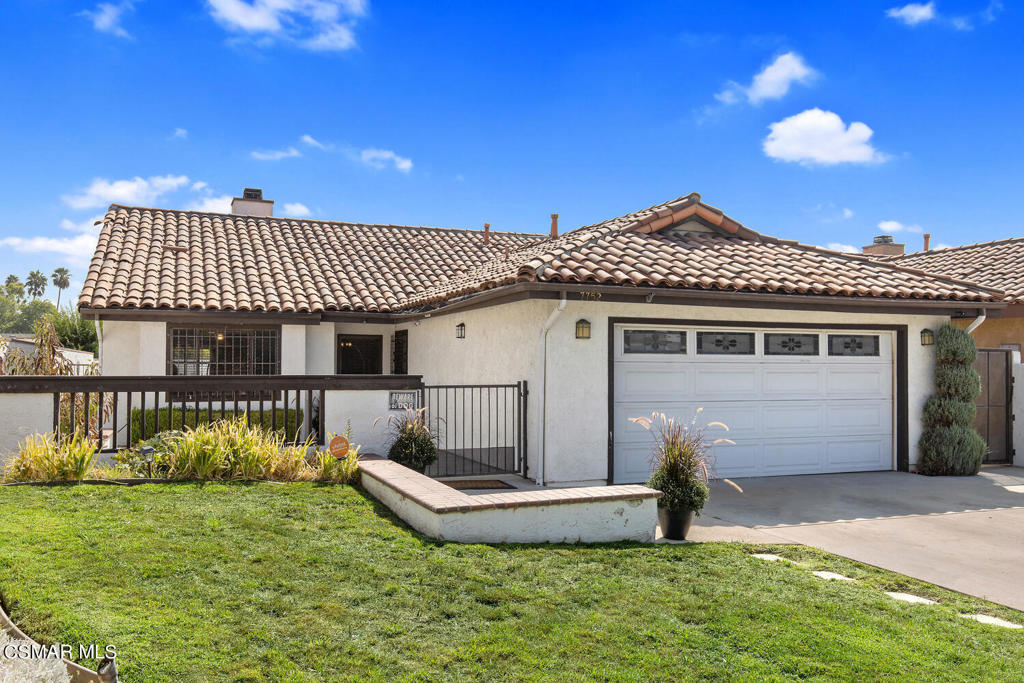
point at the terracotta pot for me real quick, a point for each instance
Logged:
(675, 524)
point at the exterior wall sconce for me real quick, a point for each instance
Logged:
(460, 331)
(582, 329)
(927, 337)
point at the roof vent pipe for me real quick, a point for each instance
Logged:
(927, 241)
(487, 233)
(554, 225)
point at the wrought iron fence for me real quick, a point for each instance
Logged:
(480, 428)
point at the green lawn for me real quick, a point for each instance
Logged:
(300, 582)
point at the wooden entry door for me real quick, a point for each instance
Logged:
(994, 420)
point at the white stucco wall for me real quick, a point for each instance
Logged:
(22, 416)
(362, 408)
(134, 348)
(501, 345)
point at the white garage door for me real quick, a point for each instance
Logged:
(795, 401)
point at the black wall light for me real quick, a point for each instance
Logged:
(582, 329)
(927, 337)
(460, 331)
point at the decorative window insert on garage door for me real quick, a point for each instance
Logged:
(797, 401)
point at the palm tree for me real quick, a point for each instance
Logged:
(61, 280)
(35, 283)
(12, 280)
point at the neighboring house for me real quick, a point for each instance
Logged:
(994, 264)
(81, 360)
(814, 359)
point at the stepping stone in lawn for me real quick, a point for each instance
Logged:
(770, 558)
(992, 621)
(831, 576)
(907, 597)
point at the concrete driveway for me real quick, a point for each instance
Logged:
(962, 533)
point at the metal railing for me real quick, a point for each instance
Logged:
(119, 412)
(480, 428)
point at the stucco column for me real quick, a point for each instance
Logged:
(293, 349)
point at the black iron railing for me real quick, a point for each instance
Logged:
(480, 428)
(118, 412)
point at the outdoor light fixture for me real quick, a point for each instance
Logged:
(927, 337)
(147, 452)
(582, 329)
(460, 331)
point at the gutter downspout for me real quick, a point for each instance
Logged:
(977, 321)
(542, 414)
(99, 339)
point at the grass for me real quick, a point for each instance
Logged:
(306, 582)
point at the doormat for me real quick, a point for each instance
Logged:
(470, 484)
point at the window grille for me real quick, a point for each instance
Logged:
(784, 344)
(725, 343)
(853, 344)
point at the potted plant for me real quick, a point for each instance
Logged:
(682, 469)
(412, 442)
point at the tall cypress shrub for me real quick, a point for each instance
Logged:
(950, 445)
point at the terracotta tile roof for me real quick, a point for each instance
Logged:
(993, 264)
(648, 248)
(157, 258)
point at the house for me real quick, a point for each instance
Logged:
(814, 359)
(80, 360)
(997, 264)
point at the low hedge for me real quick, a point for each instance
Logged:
(285, 420)
(955, 450)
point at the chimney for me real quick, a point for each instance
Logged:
(487, 233)
(554, 225)
(883, 246)
(252, 203)
(927, 241)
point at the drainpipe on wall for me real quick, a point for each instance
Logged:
(542, 414)
(99, 342)
(977, 321)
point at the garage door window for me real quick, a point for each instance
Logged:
(725, 343)
(790, 344)
(653, 341)
(853, 344)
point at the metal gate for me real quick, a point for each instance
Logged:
(480, 428)
(994, 420)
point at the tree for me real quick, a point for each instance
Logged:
(950, 445)
(12, 280)
(35, 284)
(75, 333)
(61, 280)
(15, 290)
(30, 313)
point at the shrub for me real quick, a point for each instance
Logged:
(412, 441)
(951, 450)
(292, 464)
(682, 461)
(339, 470)
(134, 461)
(42, 458)
(285, 421)
(958, 382)
(949, 444)
(948, 411)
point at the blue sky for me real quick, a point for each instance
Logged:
(809, 121)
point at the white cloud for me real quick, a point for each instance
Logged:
(77, 249)
(816, 137)
(845, 248)
(847, 213)
(179, 134)
(135, 191)
(212, 204)
(107, 16)
(275, 154)
(913, 13)
(321, 25)
(772, 82)
(312, 141)
(942, 245)
(88, 226)
(381, 158)
(296, 209)
(895, 226)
